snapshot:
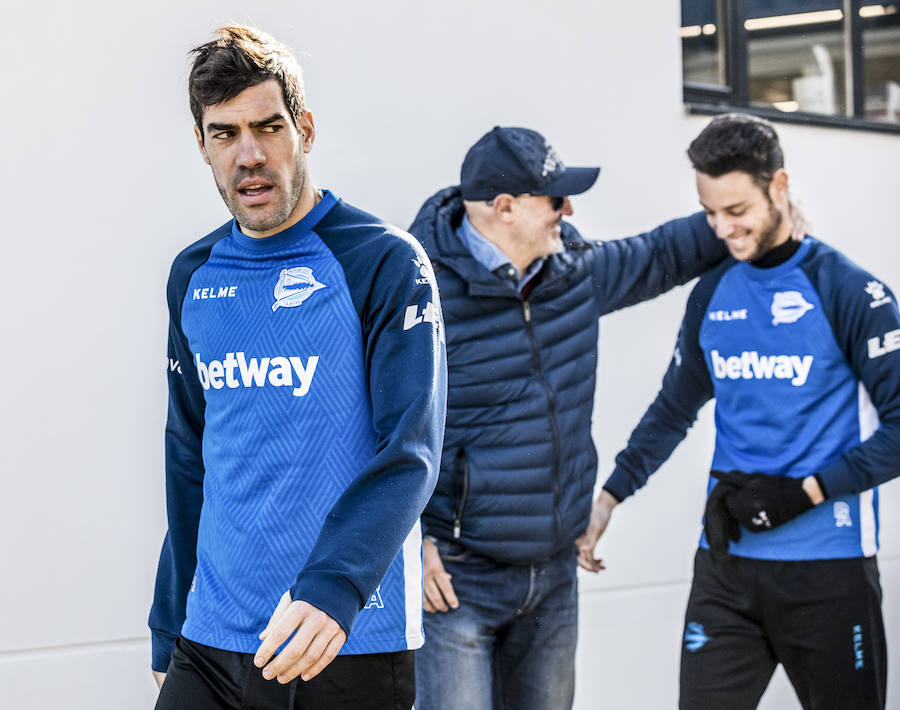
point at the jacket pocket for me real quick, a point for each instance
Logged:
(462, 490)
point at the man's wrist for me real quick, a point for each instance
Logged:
(812, 489)
(607, 499)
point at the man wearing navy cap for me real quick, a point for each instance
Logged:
(522, 293)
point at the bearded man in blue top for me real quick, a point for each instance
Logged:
(800, 348)
(307, 384)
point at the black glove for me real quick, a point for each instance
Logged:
(765, 501)
(719, 524)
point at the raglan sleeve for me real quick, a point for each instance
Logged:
(405, 360)
(184, 484)
(635, 269)
(685, 388)
(866, 322)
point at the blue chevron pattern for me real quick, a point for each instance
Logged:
(262, 513)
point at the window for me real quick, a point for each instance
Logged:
(828, 62)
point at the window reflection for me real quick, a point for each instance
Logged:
(703, 42)
(881, 61)
(796, 55)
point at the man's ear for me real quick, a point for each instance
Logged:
(307, 131)
(504, 207)
(778, 187)
(199, 136)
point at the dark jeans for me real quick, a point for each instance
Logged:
(204, 678)
(820, 619)
(511, 643)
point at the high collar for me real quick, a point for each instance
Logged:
(777, 270)
(777, 255)
(291, 234)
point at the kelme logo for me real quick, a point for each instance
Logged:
(294, 287)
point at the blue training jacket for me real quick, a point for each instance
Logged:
(307, 379)
(519, 463)
(802, 359)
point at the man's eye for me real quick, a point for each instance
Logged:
(222, 135)
(270, 129)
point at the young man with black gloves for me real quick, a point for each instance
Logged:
(307, 384)
(522, 293)
(800, 348)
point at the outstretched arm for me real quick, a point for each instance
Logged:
(628, 271)
(685, 388)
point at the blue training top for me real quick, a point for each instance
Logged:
(802, 359)
(307, 387)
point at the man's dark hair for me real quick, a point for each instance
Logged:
(737, 141)
(241, 57)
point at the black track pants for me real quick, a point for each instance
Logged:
(820, 619)
(204, 678)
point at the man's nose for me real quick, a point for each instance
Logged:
(567, 207)
(723, 227)
(250, 153)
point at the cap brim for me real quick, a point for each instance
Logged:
(573, 181)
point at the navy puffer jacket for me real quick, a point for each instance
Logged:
(519, 463)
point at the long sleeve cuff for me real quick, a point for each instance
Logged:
(331, 593)
(619, 485)
(161, 653)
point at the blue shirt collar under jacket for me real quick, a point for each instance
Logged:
(490, 255)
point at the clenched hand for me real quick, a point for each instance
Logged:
(315, 644)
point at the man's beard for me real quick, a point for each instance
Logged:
(246, 217)
(768, 234)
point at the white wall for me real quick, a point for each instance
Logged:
(102, 185)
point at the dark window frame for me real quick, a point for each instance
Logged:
(708, 99)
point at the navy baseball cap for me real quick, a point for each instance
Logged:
(519, 160)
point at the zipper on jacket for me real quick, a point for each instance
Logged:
(554, 425)
(462, 484)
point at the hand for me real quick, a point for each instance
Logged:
(766, 501)
(438, 594)
(600, 514)
(315, 644)
(800, 226)
(160, 678)
(719, 525)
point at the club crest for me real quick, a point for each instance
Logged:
(789, 307)
(294, 287)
